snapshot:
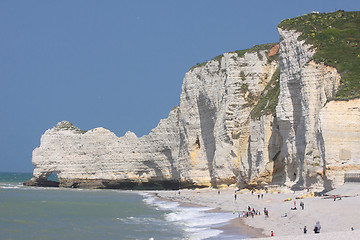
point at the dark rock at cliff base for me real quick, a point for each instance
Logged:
(38, 182)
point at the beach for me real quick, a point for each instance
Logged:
(337, 218)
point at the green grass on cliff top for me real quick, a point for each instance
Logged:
(241, 53)
(336, 36)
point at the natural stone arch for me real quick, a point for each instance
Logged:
(45, 180)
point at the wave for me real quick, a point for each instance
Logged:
(141, 220)
(10, 185)
(197, 222)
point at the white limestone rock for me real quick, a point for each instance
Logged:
(215, 105)
(211, 139)
(305, 89)
(99, 154)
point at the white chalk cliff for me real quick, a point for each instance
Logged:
(214, 136)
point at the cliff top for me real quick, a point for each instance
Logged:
(65, 125)
(256, 48)
(336, 37)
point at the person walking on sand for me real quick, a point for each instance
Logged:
(272, 233)
(266, 212)
(317, 227)
(302, 205)
(305, 230)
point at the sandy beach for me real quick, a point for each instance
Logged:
(337, 218)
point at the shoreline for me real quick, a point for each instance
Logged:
(336, 217)
(237, 227)
(234, 227)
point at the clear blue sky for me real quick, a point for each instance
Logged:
(116, 64)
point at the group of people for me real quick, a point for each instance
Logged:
(252, 212)
(302, 205)
(317, 228)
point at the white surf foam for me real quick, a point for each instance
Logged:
(196, 221)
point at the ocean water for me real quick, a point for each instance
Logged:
(57, 213)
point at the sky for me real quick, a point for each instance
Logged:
(116, 64)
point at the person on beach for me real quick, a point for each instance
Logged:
(302, 205)
(266, 212)
(235, 196)
(262, 195)
(317, 227)
(272, 233)
(305, 230)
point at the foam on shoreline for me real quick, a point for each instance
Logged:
(198, 222)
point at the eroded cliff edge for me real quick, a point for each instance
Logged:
(254, 117)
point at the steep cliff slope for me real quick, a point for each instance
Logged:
(265, 115)
(309, 50)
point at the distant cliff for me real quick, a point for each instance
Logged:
(273, 114)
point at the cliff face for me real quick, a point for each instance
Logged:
(98, 158)
(215, 106)
(305, 88)
(226, 130)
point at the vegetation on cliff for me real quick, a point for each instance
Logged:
(257, 49)
(241, 53)
(65, 125)
(268, 98)
(336, 37)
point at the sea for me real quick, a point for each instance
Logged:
(63, 213)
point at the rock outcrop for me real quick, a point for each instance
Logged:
(253, 118)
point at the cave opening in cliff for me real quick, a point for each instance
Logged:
(51, 180)
(53, 177)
